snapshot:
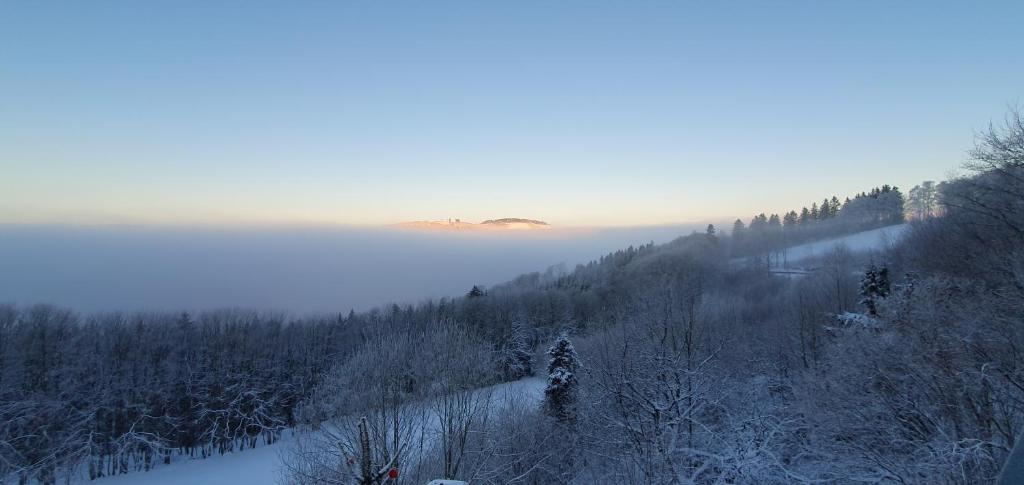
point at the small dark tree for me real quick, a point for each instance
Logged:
(560, 395)
(874, 286)
(476, 292)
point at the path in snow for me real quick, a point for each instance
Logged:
(875, 239)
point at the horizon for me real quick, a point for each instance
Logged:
(576, 114)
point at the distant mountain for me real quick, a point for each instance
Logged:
(515, 220)
(507, 223)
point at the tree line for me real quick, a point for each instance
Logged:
(768, 234)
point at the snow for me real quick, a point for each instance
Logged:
(256, 466)
(531, 388)
(262, 465)
(858, 320)
(872, 240)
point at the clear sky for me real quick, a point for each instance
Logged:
(579, 113)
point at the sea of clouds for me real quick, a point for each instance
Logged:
(296, 269)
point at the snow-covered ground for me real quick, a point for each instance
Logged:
(257, 466)
(262, 465)
(875, 239)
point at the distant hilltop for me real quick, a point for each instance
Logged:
(515, 220)
(508, 224)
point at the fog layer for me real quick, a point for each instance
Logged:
(299, 270)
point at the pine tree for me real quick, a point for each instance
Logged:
(826, 210)
(737, 228)
(711, 230)
(560, 394)
(874, 286)
(805, 216)
(475, 292)
(789, 220)
(884, 285)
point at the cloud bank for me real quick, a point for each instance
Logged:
(299, 270)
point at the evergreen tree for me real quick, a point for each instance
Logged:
(884, 285)
(814, 211)
(738, 229)
(834, 206)
(560, 394)
(475, 292)
(874, 285)
(710, 230)
(805, 216)
(789, 221)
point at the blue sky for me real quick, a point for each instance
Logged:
(579, 113)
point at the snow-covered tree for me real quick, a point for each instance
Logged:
(515, 356)
(561, 392)
(874, 285)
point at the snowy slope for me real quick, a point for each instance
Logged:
(262, 465)
(530, 391)
(875, 239)
(257, 466)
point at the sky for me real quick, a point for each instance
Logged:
(577, 113)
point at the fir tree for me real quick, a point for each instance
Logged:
(737, 228)
(789, 220)
(874, 286)
(805, 216)
(560, 394)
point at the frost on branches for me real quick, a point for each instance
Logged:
(560, 394)
(874, 286)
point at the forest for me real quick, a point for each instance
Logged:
(685, 362)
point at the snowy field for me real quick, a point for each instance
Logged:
(262, 465)
(257, 466)
(875, 239)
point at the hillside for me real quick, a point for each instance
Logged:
(263, 465)
(872, 240)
